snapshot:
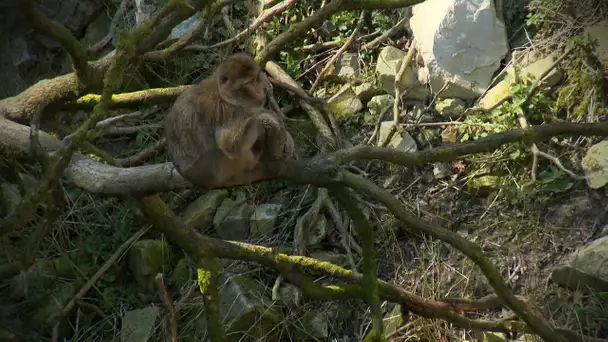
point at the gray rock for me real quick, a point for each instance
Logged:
(146, 259)
(365, 92)
(231, 220)
(138, 325)
(535, 69)
(599, 32)
(345, 102)
(380, 102)
(199, 214)
(246, 309)
(586, 267)
(289, 295)
(263, 219)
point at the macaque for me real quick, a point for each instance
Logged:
(218, 132)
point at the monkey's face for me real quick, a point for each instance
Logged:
(239, 80)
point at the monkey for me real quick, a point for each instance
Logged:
(218, 132)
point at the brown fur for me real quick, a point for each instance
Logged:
(218, 132)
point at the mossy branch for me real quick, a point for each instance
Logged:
(470, 249)
(370, 280)
(294, 268)
(132, 99)
(208, 281)
(61, 158)
(58, 90)
(45, 26)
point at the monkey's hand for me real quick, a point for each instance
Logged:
(279, 143)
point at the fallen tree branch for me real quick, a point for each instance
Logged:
(470, 249)
(132, 99)
(488, 144)
(261, 19)
(293, 268)
(144, 154)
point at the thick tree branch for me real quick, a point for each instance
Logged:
(488, 144)
(294, 268)
(97, 177)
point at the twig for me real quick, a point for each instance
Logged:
(119, 118)
(386, 35)
(345, 237)
(227, 21)
(122, 8)
(168, 304)
(81, 303)
(405, 64)
(443, 88)
(378, 124)
(276, 288)
(50, 28)
(319, 47)
(346, 45)
(115, 131)
(56, 319)
(523, 122)
(282, 79)
(142, 155)
(261, 19)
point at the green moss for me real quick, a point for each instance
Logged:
(585, 83)
(581, 89)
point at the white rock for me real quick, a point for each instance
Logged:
(348, 65)
(387, 66)
(595, 164)
(403, 142)
(460, 41)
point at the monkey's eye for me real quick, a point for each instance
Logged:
(223, 79)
